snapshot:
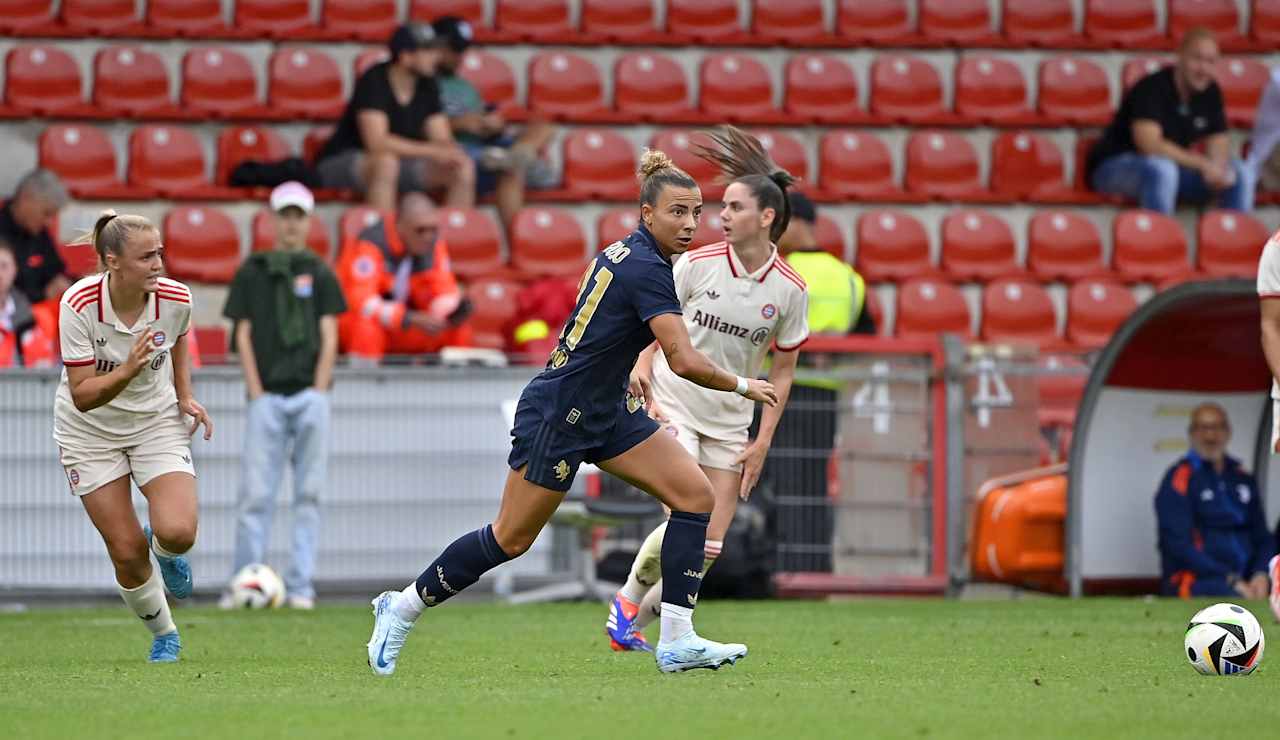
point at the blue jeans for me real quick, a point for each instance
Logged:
(1158, 182)
(274, 422)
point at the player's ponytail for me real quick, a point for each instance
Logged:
(742, 159)
(110, 232)
(658, 172)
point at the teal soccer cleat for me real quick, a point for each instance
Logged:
(175, 571)
(165, 648)
(690, 652)
(389, 633)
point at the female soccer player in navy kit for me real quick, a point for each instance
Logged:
(579, 409)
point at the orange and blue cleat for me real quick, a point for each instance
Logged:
(621, 627)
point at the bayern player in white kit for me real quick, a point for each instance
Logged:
(119, 413)
(739, 298)
(1269, 296)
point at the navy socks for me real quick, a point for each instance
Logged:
(463, 562)
(682, 556)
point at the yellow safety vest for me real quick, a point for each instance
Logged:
(837, 297)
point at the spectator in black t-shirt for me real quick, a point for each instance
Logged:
(1146, 152)
(394, 137)
(24, 224)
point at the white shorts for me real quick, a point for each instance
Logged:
(708, 451)
(91, 460)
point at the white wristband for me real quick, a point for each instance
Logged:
(741, 390)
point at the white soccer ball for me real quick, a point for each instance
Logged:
(257, 586)
(1224, 640)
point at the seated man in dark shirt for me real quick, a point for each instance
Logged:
(394, 137)
(24, 224)
(1147, 151)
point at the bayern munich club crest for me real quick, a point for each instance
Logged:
(769, 311)
(158, 338)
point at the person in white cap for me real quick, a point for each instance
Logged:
(284, 305)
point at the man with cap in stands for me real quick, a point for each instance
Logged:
(394, 137)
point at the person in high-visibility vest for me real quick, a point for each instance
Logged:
(806, 434)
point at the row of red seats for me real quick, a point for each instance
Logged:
(169, 162)
(819, 88)
(1107, 23)
(203, 244)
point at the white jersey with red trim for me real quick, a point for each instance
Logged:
(1269, 284)
(733, 317)
(92, 334)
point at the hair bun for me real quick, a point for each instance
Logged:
(652, 161)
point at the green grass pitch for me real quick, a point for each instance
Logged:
(1034, 668)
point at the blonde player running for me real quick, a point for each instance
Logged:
(739, 298)
(119, 413)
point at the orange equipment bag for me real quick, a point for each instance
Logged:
(1018, 529)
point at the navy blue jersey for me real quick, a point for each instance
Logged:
(585, 380)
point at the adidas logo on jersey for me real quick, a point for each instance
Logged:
(712, 294)
(102, 341)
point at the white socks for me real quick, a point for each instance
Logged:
(148, 602)
(160, 551)
(410, 604)
(677, 621)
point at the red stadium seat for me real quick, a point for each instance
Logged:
(966, 22)
(44, 80)
(615, 224)
(247, 143)
(875, 22)
(129, 81)
(1230, 244)
(493, 309)
(547, 241)
(821, 88)
(991, 89)
(1074, 89)
(830, 237)
(1219, 16)
(366, 20)
(355, 220)
(1242, 81)
(736, 87)
(1060, 392)
(788, 21)
(368, 58)
(1028, 165)
(942, 164)
(264, 235)
(25, 16)
(187, 18)
(676, 144)
(274, 18)
(1149, 246)
(927, 307)
(490, 75)
(1264, 21)
(168, 159)
(977, 245)
(314, 141)
(1063, 246)
(305, 82)
(427, 11)
(475, 244)
(1095, 309)
(536, 21)
(1139, 67)
(600, 164)
(200, 244)
(786, 151)
(101, 17)
(565, 85)
(220, 83)
(1123, 23)
(1019, 311)
(906, 89)
(892, 245)
(85, 159)
(706, 21)
(1044, 23)
(629, 21)
(650, 87)
(855, 164)
(212, 342)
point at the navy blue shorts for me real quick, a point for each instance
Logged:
(553, 451)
